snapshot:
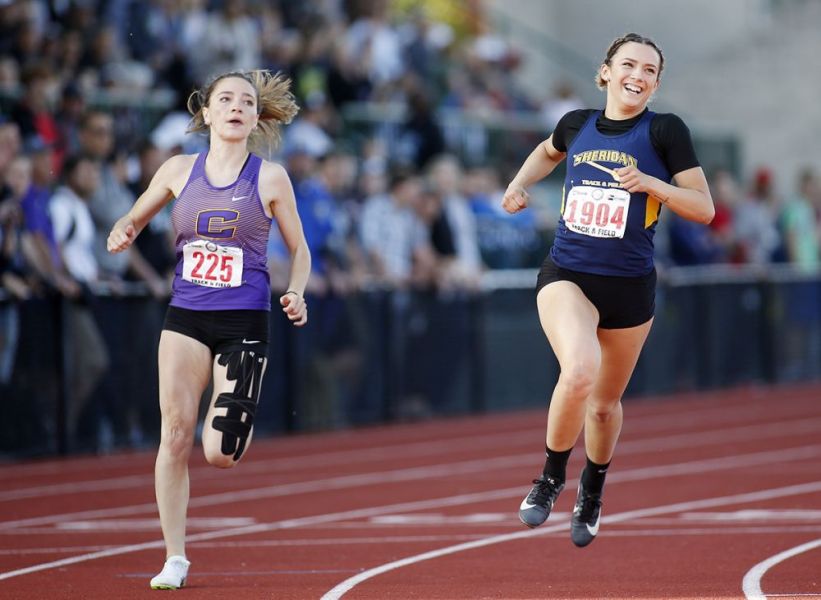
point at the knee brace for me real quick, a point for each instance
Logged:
(245, 368)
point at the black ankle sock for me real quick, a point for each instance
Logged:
(555, 464)
(593, 477)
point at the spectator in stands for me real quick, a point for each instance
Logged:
(34, 112)
(9, 75)
(754, 221)
(156, 242)
(15, 275)
(726, 197)
(421, 139)
(403, 258)
(68, 56)
(230, 42)
(561, 101)
(74, 232)
(432, 213)
(505, 241)
(347, 79)
(339, 171)
(309, 132)
(10, 142)
(69, 115)
(45, 253)
(799, 225)
(317, 210)
(13, 281)
(692, 243)
(445, 175)
(374, 41)
(111, 199)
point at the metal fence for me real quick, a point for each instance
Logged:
(387, 356)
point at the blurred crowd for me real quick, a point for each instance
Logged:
(754, 223)
(92, 101)
(77, 148)
(405, 203)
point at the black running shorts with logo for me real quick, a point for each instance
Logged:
(221, 330)
(621, 301)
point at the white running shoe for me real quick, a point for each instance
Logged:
(173, 574)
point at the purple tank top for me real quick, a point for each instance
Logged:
(222, 238)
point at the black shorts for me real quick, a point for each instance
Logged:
(621, 301)
(221, 330)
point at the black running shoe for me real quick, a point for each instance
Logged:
(535, 508)
(584, 524)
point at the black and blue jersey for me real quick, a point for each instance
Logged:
(604, 229)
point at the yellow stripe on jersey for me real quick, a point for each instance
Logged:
(651, 211)
(561, 210)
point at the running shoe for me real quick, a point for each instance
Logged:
(173, 574)
(584, 524)
(536, 507)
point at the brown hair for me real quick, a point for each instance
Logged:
(276, 106)
(621, 41)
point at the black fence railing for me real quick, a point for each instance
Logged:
(84, 377)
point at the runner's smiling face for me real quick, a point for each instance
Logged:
(632, 77)
(232, 109)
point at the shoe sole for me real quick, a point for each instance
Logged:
(525, 523)
(583, 543)
(164, 586)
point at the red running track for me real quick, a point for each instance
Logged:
(710, 496)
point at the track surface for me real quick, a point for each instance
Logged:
(710, 496)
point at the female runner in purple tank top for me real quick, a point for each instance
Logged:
(596, 289)
(218, 319)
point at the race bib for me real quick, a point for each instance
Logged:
(597, 212)
(212, 265)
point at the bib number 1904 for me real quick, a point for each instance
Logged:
(597, 212)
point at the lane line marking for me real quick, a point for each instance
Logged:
(670, 442)
(417, 473)
(342, 588)
(639, 423)
(414, 539)
(419, 449)
(751, 584)
(635, 474)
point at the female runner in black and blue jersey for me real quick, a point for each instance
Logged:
(596, 289)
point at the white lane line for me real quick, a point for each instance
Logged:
(288, 489)
(419, 539)
(802, 515)
(634, 474)
(417, 449)
(670, 442)
(422, 473)
(344, 541)
(638, 424)
(751, 584)
(342, 588)
(263, 527)
(153, 524)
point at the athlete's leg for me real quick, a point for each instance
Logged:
(569, 321)
(620, 349)
(228, 426)
(184, 368)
